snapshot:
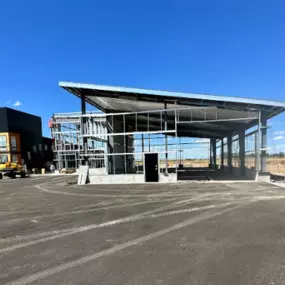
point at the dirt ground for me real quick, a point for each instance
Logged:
(274, 165)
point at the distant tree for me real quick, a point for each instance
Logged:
(281, 154)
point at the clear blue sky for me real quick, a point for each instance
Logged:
(215, 47)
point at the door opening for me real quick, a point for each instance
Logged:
(151, 167)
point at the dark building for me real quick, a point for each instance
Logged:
(21, 139)
(47, 149)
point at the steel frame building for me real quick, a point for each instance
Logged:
(136, 135)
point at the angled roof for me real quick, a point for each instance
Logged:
(111, 99)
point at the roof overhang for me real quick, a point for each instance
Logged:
(111, 99)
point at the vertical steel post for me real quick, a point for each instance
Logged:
(126, 129)
(83, 129)
(165, 135)
(214, 151)
(211, 155)
(230, 152)
(142, 143)
(222, 152)
(256, 151)
(241, 138)
(180, 150)
(263, 142)
(125, 143)
(258, 167)
(65, 161)
(59, 145)
(176, 149)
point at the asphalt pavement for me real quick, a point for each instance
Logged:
(55, 232)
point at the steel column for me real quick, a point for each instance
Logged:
(59, 136)
(126, 150)
(222, 153)
(214, 152)
(230, 152)
(242, 152)
(126, 147)
(166, 142)
(256, 150)
(142, 143)
(211, 155)
(263, 142)
(83, 129)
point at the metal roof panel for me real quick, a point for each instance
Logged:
(114, 89)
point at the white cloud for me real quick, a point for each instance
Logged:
(17, 103)
(279, 138)
(279, 132)
(202, 141)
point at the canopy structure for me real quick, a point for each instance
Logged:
(134, 115)
(209, 116)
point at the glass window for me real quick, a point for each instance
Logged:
(3, 158)
(15, 158)
(3, 143)
(13, 143)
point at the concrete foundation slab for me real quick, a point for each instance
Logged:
(117, 179)
(128, 178)
(263, 177)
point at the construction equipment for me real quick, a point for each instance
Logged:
(11, 169)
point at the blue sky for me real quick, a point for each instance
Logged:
(214, 47)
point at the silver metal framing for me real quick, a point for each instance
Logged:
(110, 138)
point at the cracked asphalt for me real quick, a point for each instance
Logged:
(54, 232)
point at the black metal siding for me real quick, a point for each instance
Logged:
(28, 126)
(30, 129)
(3, 120)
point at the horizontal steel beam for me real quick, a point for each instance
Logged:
(218, 120)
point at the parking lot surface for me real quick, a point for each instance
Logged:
(55, 232)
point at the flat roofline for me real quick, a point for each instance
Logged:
(178, 95)
(15, 110)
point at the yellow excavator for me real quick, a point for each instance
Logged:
(11, 169)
